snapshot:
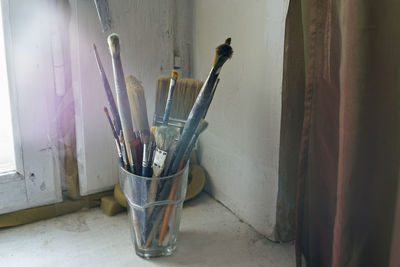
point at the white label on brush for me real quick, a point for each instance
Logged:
(159, 158)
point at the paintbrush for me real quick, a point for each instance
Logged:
(138, 108)
(152, 146)
(123, 151)
(174, 77)
(200, 128)
(122, 96)
(107, 89)
(164, 137)
(203, 124)
(139, 155)
(184, 96)
(223, 53)
(116, 139)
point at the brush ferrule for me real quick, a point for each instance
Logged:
(145, 162)
(123, 152)
(118, 148)
(159, 159)
(146, 155)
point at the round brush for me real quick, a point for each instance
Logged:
(107, 89)
(203, 124)
(122, 96)
(172, 85)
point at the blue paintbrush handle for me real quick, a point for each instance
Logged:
(169, 101)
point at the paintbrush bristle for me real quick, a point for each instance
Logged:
(165, 136)
(174, 74)
(222, 53)
(152, 130)
(137, 102)
(185, 94)
(113, 43)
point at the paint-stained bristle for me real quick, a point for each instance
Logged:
(113, 43)
(185, 94)
(165, 136)
(174, 74)
(203, 124)
(152, 130)
(137, 103)
(223, 52)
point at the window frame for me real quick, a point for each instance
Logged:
(36, 180)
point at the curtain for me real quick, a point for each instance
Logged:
(349, 152)
(291, 123)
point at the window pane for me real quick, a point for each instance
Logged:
(7, 159)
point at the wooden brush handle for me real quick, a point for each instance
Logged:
(169, 207)
(122, 96)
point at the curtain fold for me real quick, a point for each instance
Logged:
(291, 122)
(350, 143)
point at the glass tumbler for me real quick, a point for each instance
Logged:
(155, 206)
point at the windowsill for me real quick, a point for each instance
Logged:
(210, 235)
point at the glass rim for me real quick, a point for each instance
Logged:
(154, 178)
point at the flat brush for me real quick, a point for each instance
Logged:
(202, 126)
(138, 108)
(122, 96)
(172, 85)
(164, 137)
(223, 53)
(184, 96)
(107, 89)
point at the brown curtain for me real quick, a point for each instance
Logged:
(291, 123)
(349, 155)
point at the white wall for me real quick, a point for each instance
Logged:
(240, 149)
